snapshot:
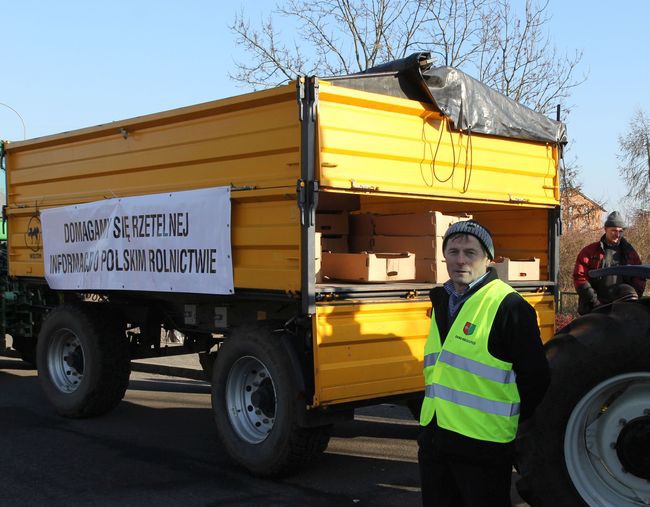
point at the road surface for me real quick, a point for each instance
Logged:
(159, 447)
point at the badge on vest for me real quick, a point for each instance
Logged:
(469, 328)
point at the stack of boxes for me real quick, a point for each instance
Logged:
(392, 247)
(367, 247)
(417, 233)
(363, 265)
(511, 270)
(333, 227)
(331, 236)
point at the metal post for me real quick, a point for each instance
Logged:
(307, 190)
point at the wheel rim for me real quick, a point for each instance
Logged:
(251, 399)
(65, 360)
(606, 443)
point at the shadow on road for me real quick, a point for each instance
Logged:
(159, 447)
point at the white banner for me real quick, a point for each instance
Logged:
(173, 242)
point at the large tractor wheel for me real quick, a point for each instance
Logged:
(589, 443)
(83, 360)
(255, 400)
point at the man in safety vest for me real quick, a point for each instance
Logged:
(484, 370)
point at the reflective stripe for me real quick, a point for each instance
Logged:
(480, 369)
(430, 359)
(472, 401)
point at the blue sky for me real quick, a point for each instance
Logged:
(72, 64)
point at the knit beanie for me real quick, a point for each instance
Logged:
(474, 229)
(614, 219)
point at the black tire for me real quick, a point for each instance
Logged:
(596, 362)
(83, 360)
(253, 371)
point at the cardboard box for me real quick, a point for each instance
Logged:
(361, 243)
(334, 223)
(368, 267)
(517, 269)
(424, 247)
(338, 244)
(361, 224)
(428, 223)
(331, 201)
(427, 270)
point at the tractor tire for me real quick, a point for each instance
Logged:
(255, 402)
(83, 360)
(589, 441)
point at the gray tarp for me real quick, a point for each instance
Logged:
(468, 103)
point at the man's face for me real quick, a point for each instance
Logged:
(613, 235)
(466, 260)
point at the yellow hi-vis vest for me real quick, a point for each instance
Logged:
(470, 391)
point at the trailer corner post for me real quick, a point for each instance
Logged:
(554, 232)
(307, 190)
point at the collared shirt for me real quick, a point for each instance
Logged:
(455, 299)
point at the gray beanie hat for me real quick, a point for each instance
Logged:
(614, 219)
(474, 229)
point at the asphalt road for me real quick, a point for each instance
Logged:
(159, 447)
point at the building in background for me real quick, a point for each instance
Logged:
(580, 213)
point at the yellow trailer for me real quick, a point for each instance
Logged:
(288, 353)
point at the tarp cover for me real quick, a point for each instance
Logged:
(468, 103)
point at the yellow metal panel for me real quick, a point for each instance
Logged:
(544, 305)
(162, 158)
(266, 243)
(252, 141)
(410, 150)
(369, 350)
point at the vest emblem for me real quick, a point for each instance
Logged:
(469, 328)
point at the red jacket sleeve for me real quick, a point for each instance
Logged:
(581, 269)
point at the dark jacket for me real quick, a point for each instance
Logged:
(592, 291)
(514, 338)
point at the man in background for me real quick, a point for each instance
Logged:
(611, 250)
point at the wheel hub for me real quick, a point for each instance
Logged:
(75, 359)
(251, 399)
(264, 398)
(633, 447)
(65, 359)
(606, 442)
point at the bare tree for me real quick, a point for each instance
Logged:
(332, 37)
(519, 59)
(634, 156)
(509, 51)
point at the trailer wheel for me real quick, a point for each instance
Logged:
(255, 403)
(589, 442)
(83, 360)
